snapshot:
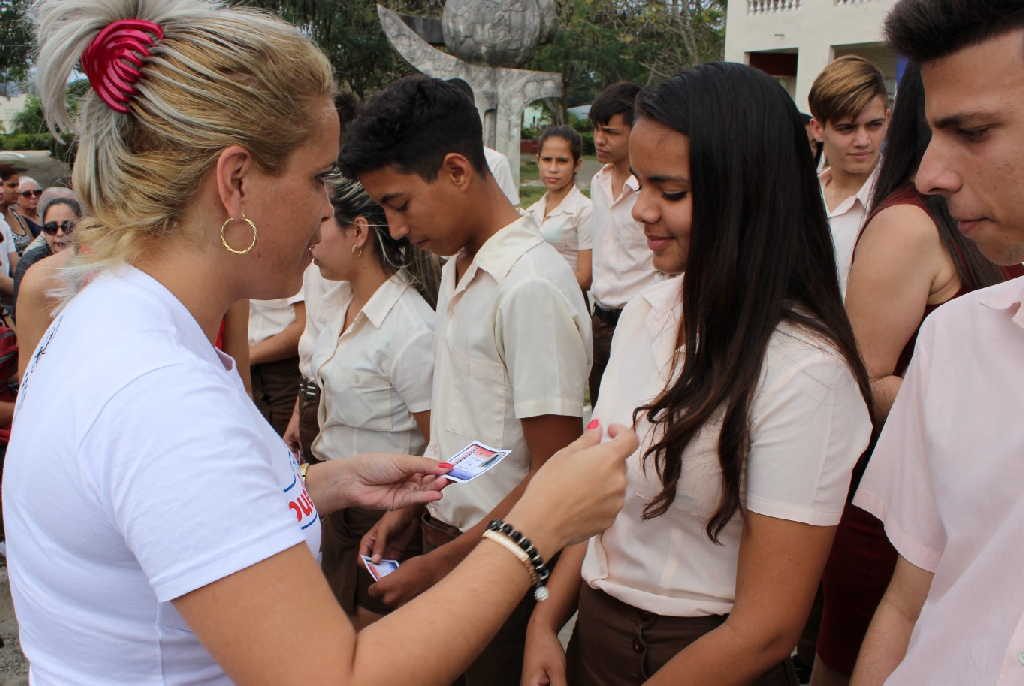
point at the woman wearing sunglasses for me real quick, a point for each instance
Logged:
(26, 213)
(60, 217)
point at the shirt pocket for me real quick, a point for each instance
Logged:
(365, 401)
(480, 393)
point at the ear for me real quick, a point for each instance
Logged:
(361, 227)
(233, 176)
(457, 170)
(817, 130)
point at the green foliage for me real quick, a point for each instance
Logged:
(603, 41)
(15, 42)
(30, 119)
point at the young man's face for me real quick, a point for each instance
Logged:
(431, 214)
(853, 144)
(611, 140)
(974, 101)
(10, 190)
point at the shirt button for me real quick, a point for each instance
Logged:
(638, 646)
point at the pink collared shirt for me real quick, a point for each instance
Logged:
(622, 262)
(846, 221)
(947, 479)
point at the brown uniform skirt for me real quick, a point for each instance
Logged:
(615, 644)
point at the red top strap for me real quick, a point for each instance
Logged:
(114, 56)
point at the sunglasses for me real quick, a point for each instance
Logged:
(50, 228)
(26, 194)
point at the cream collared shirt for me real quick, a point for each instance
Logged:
(945, 479)
(513, 341)
(375, 374)
(809, 424)
(270, 317)
(315, 289)
(847, 220)
(567, 227)
(623, 266)
(501, 170)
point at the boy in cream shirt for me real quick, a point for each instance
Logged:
(512, 345)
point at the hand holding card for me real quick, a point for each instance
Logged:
(379, 570)
(473, 460)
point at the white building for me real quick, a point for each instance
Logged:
(794, 40)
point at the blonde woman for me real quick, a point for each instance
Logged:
(171, 537)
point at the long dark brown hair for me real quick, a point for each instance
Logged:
(905, 143)
(760, 254)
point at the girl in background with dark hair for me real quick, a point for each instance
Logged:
(909, 259)
(751, 409)
(373, 359)
(563, 213)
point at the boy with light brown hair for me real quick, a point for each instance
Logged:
(849, 104)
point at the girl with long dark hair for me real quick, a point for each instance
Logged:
(744, 384)
(909, 259)
(373, 359)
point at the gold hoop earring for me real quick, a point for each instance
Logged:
(224, 240)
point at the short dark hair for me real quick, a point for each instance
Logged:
(926, 30)
(412, 124)
(568, 134)
(618, 98)
(347, 105)
(9, 170)
(463, 85)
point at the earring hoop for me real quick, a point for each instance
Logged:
(224, 240)
(358, 252)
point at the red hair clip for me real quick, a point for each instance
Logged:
(113, 57)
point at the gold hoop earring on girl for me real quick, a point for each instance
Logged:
(224, 240)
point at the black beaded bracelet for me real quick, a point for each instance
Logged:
(540, 568)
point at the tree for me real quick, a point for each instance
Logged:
(349, 32)
(15, 43)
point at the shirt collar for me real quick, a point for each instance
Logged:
(863, 195)
(604, 175)
(1007, 297)
(384, 299)
(570, 205)
(662, 323)
(502, 250)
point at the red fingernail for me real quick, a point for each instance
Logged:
(594, 423)
(445, 465)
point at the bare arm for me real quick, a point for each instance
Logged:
(277, 623)
(35, 306)
(900, 266)
(283, 345)
(544, 436)
(422, 420)
(544, 657)
(585, 268)
(885, 644)
(780, 565)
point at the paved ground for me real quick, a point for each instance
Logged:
(13, 668)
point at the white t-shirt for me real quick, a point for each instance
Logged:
(501, 170)
(808, 425)
(139, 470)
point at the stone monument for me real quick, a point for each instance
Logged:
(488, 40)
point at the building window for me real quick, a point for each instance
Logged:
(766, 6)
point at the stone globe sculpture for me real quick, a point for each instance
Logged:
(501, 33)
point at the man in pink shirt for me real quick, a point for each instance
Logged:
(946, 475)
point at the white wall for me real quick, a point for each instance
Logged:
(818, 29)
(9, 107)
